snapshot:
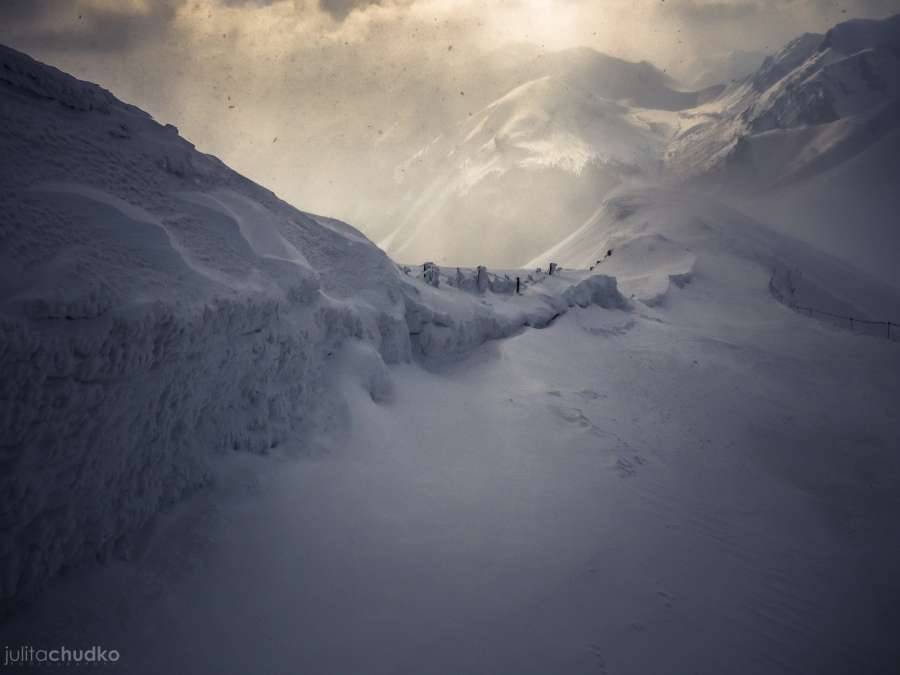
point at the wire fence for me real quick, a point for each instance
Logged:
(884, 329)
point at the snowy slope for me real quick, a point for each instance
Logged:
(814, 104)
(818, 101)
(804, 142)
(663, 239)
(155, 308)
(705, 483)
(849, 210)
(640, 85)
(521, 173)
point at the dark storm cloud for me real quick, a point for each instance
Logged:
(69, 25)
(23, 10)
(104, 27)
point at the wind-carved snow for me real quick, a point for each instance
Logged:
(660, 239)
(255, 223)
(714, 461)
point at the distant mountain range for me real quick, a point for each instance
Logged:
(808, 142)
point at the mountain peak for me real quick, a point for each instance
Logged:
(855, 35)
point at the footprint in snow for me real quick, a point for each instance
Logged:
(627, 466)
(572, 415)
(597, 651)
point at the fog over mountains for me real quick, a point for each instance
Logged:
(789, 142)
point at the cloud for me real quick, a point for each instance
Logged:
(339, 9)
(339, 82)
(101, 26)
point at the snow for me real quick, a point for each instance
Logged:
(522, 172)
(237, 437)
(156, 311)
(822, 111)
(256, 224)
(636, 492)
(459, 317)
(849, 210)
(662, 239)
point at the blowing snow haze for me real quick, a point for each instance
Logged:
(435, 336)
(360, 109)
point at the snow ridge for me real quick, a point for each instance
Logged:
(155, 311)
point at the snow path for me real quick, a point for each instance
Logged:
(612, 494)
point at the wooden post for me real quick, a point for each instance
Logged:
(518, 285)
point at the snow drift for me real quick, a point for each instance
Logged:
(663, 239)
(156, 308)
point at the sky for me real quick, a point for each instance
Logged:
(313, 97)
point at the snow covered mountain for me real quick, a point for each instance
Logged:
(525, 170)
(804, 142)
(808, 142)
(817, 102)
(656, 240)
